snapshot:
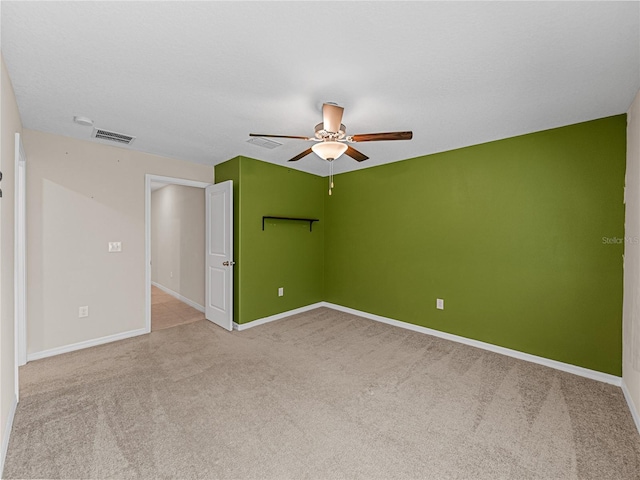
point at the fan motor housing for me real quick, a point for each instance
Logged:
(322, 134)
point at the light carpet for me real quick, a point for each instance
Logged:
(319, 395)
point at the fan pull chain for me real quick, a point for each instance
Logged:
(330, 176)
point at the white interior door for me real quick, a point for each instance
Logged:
(219, 254)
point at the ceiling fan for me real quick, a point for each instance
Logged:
(332, 139)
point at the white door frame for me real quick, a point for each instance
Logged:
(147, 231)
(20, 258)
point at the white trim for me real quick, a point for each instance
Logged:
(148, 178)
(7, 433)
(632, 406)
(278, 316)
(191, 303)
(147, 253)
(177, 181)
(86, 344)
(19, 260)
(565, 367)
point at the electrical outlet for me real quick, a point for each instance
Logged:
(440, 303)
(281, 292)
(83, 312)
(115, 247)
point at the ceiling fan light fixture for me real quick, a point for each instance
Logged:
(329, 150)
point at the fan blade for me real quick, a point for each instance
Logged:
(376, 137)
(332, 117)
(301, 155)
(355, 154)
(278, 136)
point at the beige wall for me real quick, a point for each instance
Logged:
(80, 196)
(631, 305)
(10, 122)
(177, 240)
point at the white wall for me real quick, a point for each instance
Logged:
(631, 304)
(177, 240)
(11, 124)
(80, 196)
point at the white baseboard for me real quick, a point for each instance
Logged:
(272, 318)
(191, 303)
(565, 367)
(632, 406)
(86, 344)
(7, 433)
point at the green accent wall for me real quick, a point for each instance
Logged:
(522, 238)
(512, 234)
(286, 254)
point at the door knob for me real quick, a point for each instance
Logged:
(226, 264)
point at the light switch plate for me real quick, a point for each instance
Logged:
(281, 292)
(115, 247)
(83, 312)
(440, 303)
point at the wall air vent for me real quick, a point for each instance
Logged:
(263, 142)
(112, 136)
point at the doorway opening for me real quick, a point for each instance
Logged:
(175, 231)
(177, 255)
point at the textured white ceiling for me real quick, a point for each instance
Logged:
(192, 80)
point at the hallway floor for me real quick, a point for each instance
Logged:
(167, 311)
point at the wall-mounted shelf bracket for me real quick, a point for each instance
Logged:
(310, 220)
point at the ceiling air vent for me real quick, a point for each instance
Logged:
(112, 136)
(263, 142)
